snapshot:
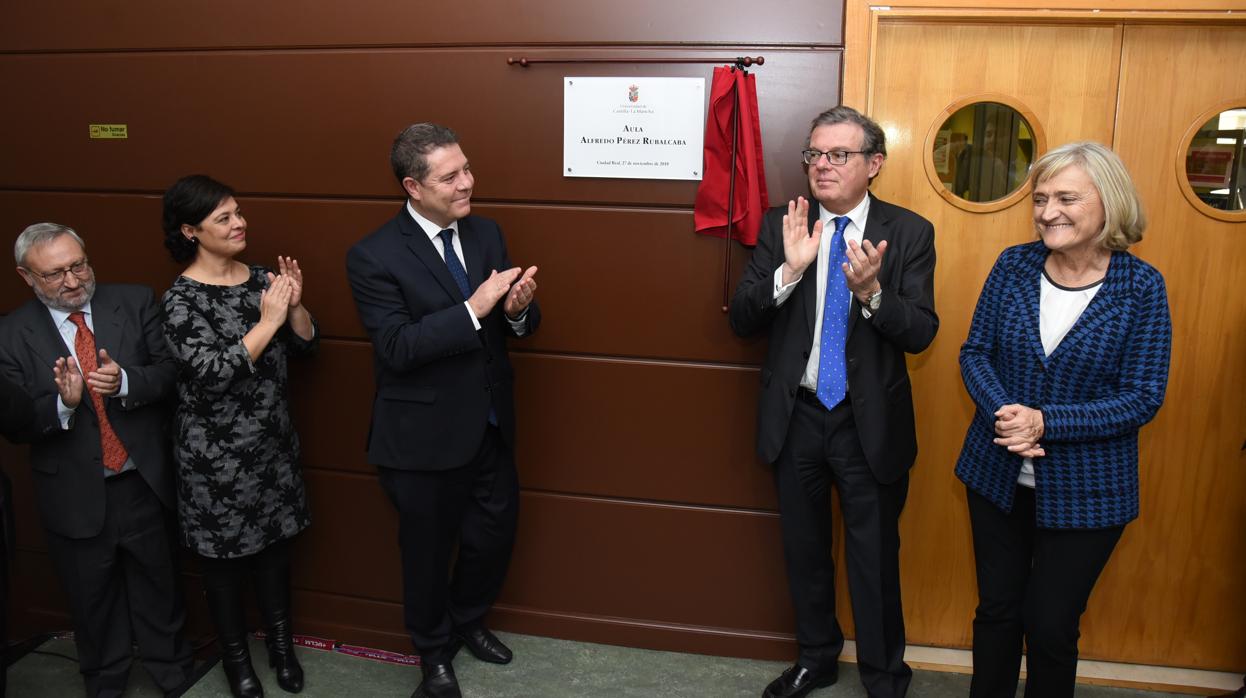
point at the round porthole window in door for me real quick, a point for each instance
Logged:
(1211, 168)
(979, 151)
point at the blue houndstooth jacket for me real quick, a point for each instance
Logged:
(1104, 381)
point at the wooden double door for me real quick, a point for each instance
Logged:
(1174, 592)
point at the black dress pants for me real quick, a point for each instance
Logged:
(475, 506)
(1033, 584)
(123, 588)
(822, 449)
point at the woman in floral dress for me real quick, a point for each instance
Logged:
(240, 488)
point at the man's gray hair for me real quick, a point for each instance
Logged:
(38, 234)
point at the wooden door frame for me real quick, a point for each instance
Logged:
(862, 18)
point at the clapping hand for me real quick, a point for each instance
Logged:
(800, 247)
(861, 271)
(521, 293)
(68, 380)
(289, 267)
(106, 378)
(275, 300)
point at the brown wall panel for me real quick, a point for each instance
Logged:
(652, 431)
(711, 568)
(574, 555)
(611, 428)
(321, 122)
(80, 24)
(653, 288)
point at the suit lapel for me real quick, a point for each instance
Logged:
(422, 247)
(1102, 307)
(46, 343)
(809, 283)
(109, 322)
(877, 227)
(1026, 296)
(472, 254)
(41, 335)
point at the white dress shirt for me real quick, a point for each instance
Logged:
(433, 231)
(855, 231)
(69, 334)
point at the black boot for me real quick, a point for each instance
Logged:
(272, 591)
(225, 605)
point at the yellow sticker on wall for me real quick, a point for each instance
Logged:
(109, 131)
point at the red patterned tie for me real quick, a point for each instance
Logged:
(84, 346)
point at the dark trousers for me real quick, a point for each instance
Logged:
(475, 506)
(823, 449)
(1033, 584)
(123, 588)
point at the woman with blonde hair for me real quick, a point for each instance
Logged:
(1067, 357)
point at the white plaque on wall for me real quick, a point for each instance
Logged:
(635, 128)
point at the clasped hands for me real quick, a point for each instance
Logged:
(1019, 428)
(105, 380)
(516, 285)
(800, 249)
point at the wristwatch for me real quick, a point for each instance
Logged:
(875, 301)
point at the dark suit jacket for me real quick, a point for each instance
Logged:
(68, 464)
(17, 416)
(436, 376)
(878, 381)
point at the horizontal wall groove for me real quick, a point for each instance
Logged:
(602, 206)
(651, 503)
(518, 350)
(666, 362)
(651, 624)
(682, 47)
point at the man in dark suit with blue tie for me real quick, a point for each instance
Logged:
(95, 363)
(845, 289)
(438, 296)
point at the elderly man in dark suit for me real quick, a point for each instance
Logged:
(95, 363)
(842, 309)
(438, 296)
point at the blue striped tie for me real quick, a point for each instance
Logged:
(452, 261)
(832, 373)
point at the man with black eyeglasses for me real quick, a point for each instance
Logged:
(845, 288)
(95, 363)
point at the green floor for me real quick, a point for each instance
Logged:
(543, 668)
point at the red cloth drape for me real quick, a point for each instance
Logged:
(710, 214)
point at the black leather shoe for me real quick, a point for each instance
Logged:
(485, 646)
(799, 681)
(439, 682)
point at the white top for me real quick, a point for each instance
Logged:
(855, 231)
(1059, 307)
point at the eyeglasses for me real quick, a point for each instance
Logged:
(835, 157)
(79, 269)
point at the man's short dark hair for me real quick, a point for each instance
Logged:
(407, 156)
(875, 141)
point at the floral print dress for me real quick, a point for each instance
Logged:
(240, 488)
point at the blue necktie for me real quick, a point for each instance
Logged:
(452, 261)
(460, 278)
(832, 373)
